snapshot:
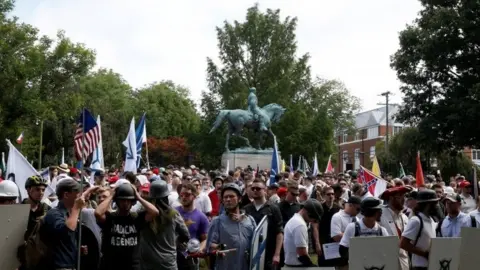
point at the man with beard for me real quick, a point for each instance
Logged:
(196, 222)
(233, 230)
(393, 220)
(420, 229)
(371, 210)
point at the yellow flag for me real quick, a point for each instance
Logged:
(282, 168)
(375, 166)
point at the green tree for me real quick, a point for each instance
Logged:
(438, 67)
(261, 52)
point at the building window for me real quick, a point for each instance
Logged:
(397, 130)
(344, 137)
(372, 151)
(357, 136)
(372, 132)
(475, 154)
(345, 155)
(345, 160)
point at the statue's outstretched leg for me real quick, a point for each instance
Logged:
(245, 139)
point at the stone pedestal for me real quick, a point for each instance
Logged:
(244, 157)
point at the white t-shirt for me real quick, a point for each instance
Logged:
(295, 236)
(173, 199)
(364, 232)
(339, 222)
(203, 203)
(468, 204)
(428, 232)
(476, 214)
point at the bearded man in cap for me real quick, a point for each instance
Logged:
(393, 220)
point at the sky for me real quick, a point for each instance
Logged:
(154, 40)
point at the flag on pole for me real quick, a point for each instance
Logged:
(19, 169)
(275, 167)
(374, 183)
(228, 167)
(20, 138)
(315, 165)
(299, 166)
(97, 158)
(329, 168)
(141, 137)
(375, 166)
(419, 172)
(282, 169)
(291, 164)
(306, 166)
(402, 172)
(131, 144)
(2, 166)
(87, 125)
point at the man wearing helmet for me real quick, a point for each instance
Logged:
(8, 192)
(233, 230)
(369, 225)
(121, 229)
(295, 241)
(35, 186)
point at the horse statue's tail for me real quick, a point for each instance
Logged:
(220, 118)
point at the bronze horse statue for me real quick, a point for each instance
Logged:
(239, 119)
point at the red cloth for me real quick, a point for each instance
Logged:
(215, 203)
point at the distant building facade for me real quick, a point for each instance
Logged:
(355, 150)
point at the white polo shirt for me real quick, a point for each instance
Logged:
(339, 223)
(428, 232)
(364, 232)
(295, 236)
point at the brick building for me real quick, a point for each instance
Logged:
(370, 127)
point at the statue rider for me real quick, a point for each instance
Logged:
(252, 102)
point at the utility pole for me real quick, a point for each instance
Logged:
(386, 95)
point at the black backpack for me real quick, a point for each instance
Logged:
(438, 230)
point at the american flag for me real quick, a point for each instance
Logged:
(86, 124)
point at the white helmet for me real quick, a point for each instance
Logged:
(8, 189)
(121, 182)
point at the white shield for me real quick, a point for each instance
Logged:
(13, 222)
(373, 253)
(444, 253)
(469, 259)
(259, 242)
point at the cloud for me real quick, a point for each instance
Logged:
(153, 40)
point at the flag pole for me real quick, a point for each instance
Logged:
(475, 181)
(41, 143)
(63, 155)
(82, 157)
(146, 152)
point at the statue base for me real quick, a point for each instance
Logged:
(249, 156)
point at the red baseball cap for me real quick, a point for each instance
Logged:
(394, 191)
(113, 179)
(464, 184)
(145, 187)
(282, 191)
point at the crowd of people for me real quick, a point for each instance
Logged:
(185, 218)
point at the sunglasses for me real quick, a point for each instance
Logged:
(330, 194)
(256, 188)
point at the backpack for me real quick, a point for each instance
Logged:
(438, 230)
(36, 251)
(357, 230)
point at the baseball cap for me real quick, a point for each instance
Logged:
(145, 187)
(454, 197)
(354, 200)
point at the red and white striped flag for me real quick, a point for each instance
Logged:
(88, 126)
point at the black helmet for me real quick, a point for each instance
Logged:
(125, 192)
(370, 203)
(426, 196)
(159, 189)
(231, 186)
(34, 181)
(314, 209)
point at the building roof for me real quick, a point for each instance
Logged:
(377, 117)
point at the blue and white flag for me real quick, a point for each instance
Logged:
(141, 137)
(97, 157)
(131, 144)
(315, 165)
(275, 167)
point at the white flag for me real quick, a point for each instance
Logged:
(19, 169)
(97, 157)
(131, 144)
(315, 165)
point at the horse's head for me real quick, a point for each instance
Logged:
(275, 111)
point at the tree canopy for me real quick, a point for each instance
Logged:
(438, 65)
(261, 52)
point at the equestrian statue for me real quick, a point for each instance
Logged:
(255, 118)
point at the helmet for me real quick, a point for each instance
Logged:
(370, 203)
(231, 186)
(121, 182)
(159, 189)
(8, 189)
(125, 192)
(314, 209)
(34, 181)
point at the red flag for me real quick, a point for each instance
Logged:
(329, 168)
(419, 173)
(373, 183)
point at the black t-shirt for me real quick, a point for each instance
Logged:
(34, 216)
(288, 210)
(121, 241)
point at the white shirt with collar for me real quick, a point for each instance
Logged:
(391, 221)
(364, 232)
(451, 226)
(424, 241)
(295, 236)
